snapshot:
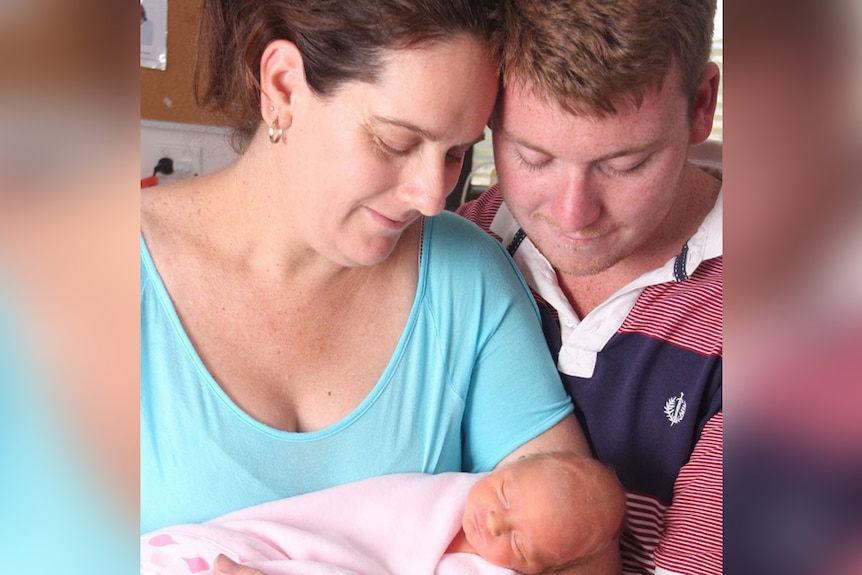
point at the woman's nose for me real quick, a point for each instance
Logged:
(428, 186)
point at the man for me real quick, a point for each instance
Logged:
(619, 235)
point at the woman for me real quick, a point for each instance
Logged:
(305, 321)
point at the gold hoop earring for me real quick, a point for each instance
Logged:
(275, 133)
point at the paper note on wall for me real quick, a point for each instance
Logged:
(154, 34)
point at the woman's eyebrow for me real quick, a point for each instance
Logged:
(421, 131)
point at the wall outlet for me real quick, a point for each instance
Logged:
(188, 159)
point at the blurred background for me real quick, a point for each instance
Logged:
(69, 84)
(793, 287)
(70, 168)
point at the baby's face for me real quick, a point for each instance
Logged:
(527, 517)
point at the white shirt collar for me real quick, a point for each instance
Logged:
(584, 338)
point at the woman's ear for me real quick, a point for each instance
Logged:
(282, 81)
(703, 106)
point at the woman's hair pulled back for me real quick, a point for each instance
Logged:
(340, 41)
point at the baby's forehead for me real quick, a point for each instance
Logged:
(575, 467)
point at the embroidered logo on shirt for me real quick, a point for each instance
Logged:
(674, 409)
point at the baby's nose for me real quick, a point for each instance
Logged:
(495, 522)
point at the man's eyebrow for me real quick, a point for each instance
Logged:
(421, 131)
(521, 142)
(630, 151)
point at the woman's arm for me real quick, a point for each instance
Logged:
(564, 436)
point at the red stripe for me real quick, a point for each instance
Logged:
(483, 209)
(644, 525)
(693, 537)
(664, 311)
(687, 536)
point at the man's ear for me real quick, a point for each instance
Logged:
(282, 81)
(703, 106)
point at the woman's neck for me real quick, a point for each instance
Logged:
(237, 208)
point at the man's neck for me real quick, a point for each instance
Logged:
(585, 293)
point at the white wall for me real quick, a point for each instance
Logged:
(195, 149)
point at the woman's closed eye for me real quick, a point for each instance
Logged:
(399, 149)
(392, 147)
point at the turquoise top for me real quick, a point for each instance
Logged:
(471, 379)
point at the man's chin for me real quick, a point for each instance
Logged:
(577, 265)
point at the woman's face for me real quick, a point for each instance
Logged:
(370, 159)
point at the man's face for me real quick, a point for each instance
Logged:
(591, 193)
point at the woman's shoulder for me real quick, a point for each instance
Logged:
(166, 208)
(171, 234)
(172, 219)
(457, 246)
(451, 230)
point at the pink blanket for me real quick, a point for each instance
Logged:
(391, 525)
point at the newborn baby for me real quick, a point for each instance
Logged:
(541, 513)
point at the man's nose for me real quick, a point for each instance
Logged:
(576, 204)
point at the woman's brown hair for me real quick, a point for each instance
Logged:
(340, 41)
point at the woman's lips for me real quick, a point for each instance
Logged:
(387, 222)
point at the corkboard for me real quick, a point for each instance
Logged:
(167, 94)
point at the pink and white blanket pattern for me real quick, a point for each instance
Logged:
(391, 525)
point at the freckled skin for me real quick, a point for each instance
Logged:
(604, 199)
